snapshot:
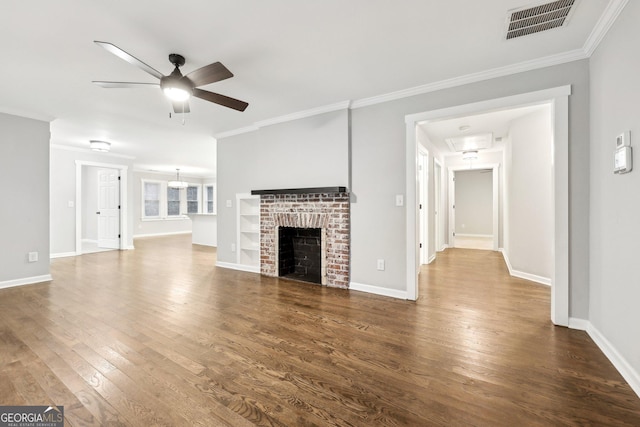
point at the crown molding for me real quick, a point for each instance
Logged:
(90, 151)
(344, 105)
(547, 61)
(303, 114)
(608, 17)
(235, 132)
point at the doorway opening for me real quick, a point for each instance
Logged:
(101, 207)
(558, 99)
(474, 207)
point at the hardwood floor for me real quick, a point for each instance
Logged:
(158, 336)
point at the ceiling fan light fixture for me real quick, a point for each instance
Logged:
(100, 146)
(176, 94)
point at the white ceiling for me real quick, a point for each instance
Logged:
(496, 122)
(287, 56)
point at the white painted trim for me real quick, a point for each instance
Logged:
(411, 212)
(578, 324)
(377, 290)
(25, 281)
(608, 17)
(521, 274)
(173, 233)
(234, 132)
(558, 97)
(344, 105)
(431, 259)
(239, 267)
(484, 236)
(90, 151)
(63, 255)
(619, 362)
(89, 241)
(303, 114)
(521, 67)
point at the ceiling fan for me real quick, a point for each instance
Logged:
(176, 87)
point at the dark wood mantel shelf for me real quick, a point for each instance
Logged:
(311, 190)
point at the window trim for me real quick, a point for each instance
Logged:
(164, 206)
(143, 213)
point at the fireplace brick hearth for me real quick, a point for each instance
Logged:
(329, 212)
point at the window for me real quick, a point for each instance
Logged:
(151, 199)
(173, 201)
(193, 199)
(209, 198)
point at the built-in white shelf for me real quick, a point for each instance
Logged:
(248, 224)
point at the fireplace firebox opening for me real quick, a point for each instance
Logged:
(300, 254)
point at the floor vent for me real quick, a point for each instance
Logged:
(531, 20)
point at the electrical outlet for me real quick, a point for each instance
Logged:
(33, 256)
(381, 264)
(399, 200)
(233, 247)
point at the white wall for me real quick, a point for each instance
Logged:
(614, 199)
(24, 216)
(474, 202)
(530, 195)
(63, 191)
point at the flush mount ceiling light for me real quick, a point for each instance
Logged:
(470, 155)
(101, 146)
(475, 142)
(177, 183)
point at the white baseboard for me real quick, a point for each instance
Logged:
(25, 281)
(387, 292)
(482, 236)
(240, 267)
(431, 259)
(127, 247)
(579, 324)
(90, 241)
(174, 233)
(62, 255)
(522, 274)
(443, 247)
(619, 362)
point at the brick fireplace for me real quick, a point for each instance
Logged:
(326, 209)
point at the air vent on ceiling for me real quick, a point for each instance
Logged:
(531, 20)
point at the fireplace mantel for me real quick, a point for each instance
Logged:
(312, 190)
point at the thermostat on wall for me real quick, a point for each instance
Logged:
(623, 160)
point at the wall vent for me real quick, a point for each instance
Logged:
(531, 20)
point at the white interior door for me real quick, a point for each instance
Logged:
(108, 208)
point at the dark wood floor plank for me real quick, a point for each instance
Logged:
(160, 336)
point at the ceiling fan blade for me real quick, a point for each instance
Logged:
(225, 101)
(129, 58)
(181, 107)
(209, 74)
(111, 85)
